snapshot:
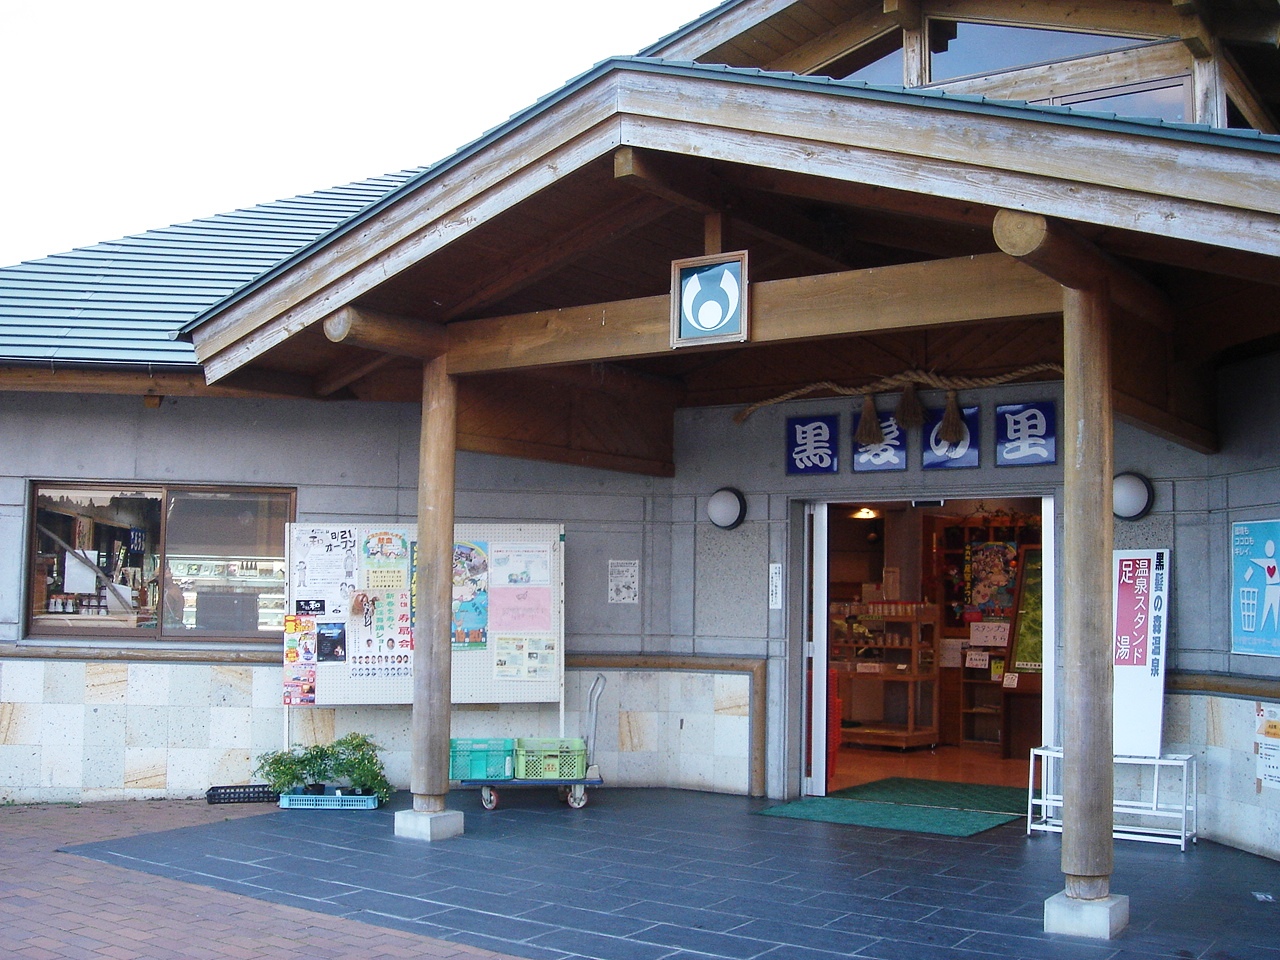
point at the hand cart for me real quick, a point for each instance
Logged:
(571, 790)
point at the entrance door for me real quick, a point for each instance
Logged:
(903, 551)
(814, 782)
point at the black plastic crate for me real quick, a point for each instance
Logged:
(242, 793)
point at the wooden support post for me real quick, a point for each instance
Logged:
(713, 233)
(1087, 788)
(434, 591)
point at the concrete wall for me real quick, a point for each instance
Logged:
(72, 729)
(703, 590)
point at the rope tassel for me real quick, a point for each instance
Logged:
(905, 381)
(869, 433)
(952, 429)
(909, 414)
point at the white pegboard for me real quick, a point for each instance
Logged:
(509, 647)
(520, 664)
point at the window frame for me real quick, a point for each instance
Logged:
(150, 637)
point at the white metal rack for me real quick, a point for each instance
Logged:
(1168, 815)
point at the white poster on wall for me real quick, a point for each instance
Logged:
(1267, 745)
(1140, 599)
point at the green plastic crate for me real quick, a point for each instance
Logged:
(480, 759)
(558, 759)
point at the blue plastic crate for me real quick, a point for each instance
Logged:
(327, 801)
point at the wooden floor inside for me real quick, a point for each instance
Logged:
(855, 765)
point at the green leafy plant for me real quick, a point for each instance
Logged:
(356, 760)
(316, 762)
(353, 759)
(282, 770)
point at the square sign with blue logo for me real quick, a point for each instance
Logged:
(813, 444)
(1026, 434)
(938, 454)
(709, 299)
(889, 454)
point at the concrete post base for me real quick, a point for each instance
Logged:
(428, 826)
(1100, 919)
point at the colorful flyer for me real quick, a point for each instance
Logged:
(470, 596)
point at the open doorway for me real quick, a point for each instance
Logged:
(933, 640)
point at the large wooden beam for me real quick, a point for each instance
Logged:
(1058, 252)
(383, 333)
(149, 383)
(903, 297)
(433, 640)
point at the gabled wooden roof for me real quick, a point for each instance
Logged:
(539, 256)
(547, 247)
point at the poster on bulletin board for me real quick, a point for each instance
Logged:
(350, 617)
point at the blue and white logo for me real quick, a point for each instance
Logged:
(711, 300)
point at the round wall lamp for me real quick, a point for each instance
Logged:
(727, 508)
(1132, 496)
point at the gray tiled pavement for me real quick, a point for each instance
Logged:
(679, 875)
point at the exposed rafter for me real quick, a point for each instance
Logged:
(684, 184)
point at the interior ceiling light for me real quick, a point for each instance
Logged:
(865, 513)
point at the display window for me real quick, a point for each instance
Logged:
(157, 562)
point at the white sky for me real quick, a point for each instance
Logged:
(119, 117)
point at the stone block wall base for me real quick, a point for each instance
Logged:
(428, 826)
(1100, 919)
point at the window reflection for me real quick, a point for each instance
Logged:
(959, 49)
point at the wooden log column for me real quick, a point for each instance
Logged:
(1090, 279)
(433, 598)
(1088, 787)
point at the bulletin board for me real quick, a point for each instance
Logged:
(350, 617)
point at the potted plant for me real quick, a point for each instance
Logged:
(317, 763)
(356, 760)
(282, 770)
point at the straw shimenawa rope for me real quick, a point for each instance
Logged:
(908, 408)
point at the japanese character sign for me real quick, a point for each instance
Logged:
(813, 444)
(1140, 599)
(1026, 434)
(940, 455)
(889, 454)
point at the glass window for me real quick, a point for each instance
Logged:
(878, 62)
(887, 71)
(959, 49)
(1161, 100)
(148, 562)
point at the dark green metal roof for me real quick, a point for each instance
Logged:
(121, 302)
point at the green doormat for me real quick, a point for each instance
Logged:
(891, 816)
(940, 793)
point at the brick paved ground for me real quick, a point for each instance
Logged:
(54, 905)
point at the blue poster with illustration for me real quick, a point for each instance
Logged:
(1255, 588)
(940, 455)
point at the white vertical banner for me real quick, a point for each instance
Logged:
(1140, 602)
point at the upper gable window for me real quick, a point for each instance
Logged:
(959, 49)
(878, 62)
